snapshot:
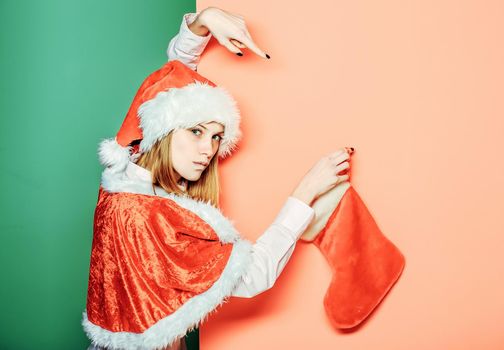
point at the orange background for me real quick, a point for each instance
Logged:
(417, 88)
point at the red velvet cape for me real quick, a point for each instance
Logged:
(157, 268)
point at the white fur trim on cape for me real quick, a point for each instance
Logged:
(196, 309)
(189, 315)
(186, 107)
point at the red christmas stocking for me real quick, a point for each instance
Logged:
(364, 263)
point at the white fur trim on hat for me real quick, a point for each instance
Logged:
(185, 107)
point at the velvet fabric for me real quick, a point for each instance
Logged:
(364, 263)
(149, 256)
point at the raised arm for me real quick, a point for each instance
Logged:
(187, 46)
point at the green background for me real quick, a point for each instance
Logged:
(69, 70)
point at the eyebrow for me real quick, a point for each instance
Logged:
(222, 132)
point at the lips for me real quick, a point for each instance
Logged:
(202, 164)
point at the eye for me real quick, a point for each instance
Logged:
(219, 137)
(193, 131)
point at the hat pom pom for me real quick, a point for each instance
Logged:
(112, 155)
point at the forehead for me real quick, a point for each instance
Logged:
(214, 126)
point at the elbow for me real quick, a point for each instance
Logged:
(255, 293)
(252, 289)
(264, 287)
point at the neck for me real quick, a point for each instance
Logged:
(181, 182)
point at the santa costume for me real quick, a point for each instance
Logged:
(161, 262)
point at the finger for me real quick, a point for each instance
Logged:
(247, 40)
(342, 166)
(345, 171)
(237, 43)
(228, 45)
(247, 33)
(350, 150)
(338, 158)
(342, 178)
(337, 153)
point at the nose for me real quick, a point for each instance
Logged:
(206, 148)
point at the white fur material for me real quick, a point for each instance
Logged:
(196, 309)
(185, 107)
(113, 156)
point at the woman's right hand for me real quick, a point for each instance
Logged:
(228, 28)
(324, 175)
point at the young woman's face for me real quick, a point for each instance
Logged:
(197, 144)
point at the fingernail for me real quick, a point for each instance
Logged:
(239, 54)
(268, 56)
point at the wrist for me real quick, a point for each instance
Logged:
(303, 196)
(197, 26)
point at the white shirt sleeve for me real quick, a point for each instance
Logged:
(274, 248)
(186, 46)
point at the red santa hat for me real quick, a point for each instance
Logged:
(173, 97)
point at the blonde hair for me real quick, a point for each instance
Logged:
(158, 161)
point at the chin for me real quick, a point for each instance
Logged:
(193, 177)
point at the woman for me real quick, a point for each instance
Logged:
(163, 255)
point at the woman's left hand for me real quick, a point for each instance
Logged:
(228, 28)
